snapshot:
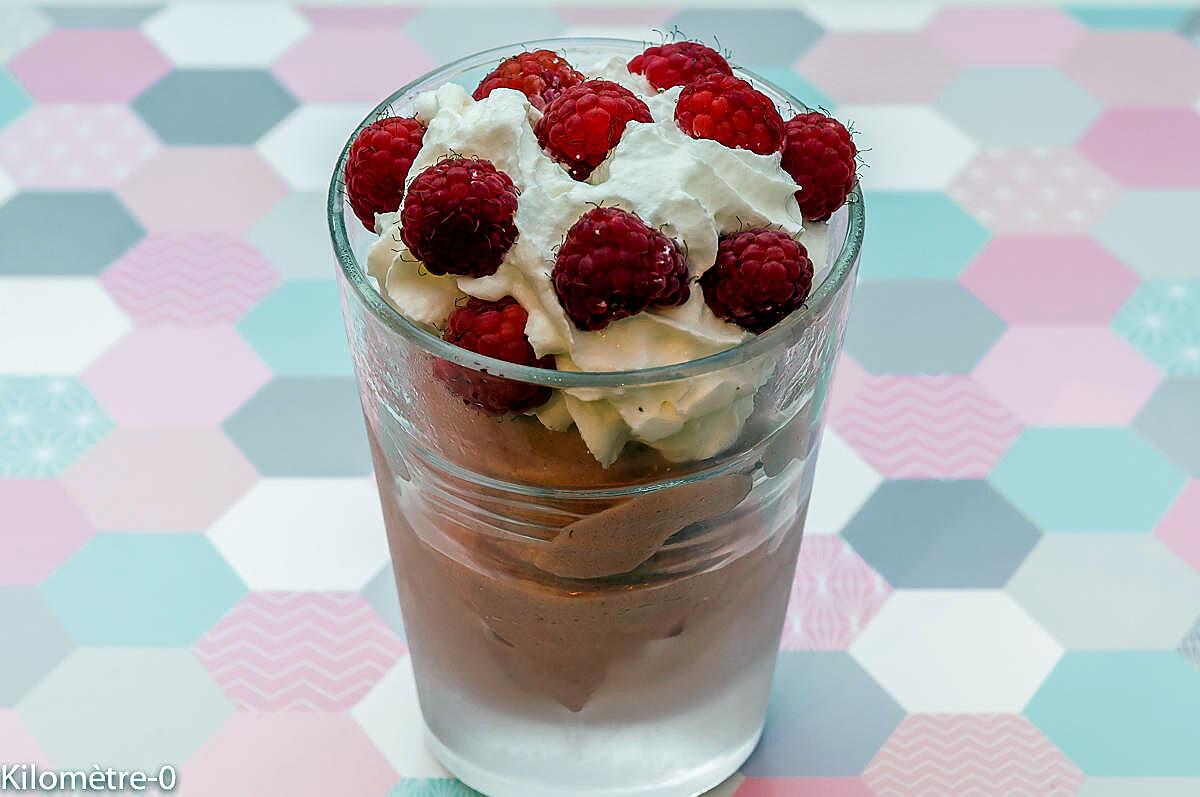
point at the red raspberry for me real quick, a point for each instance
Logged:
(678, 63)
(380, 158)
(760, 276)
(613, 265)
(540, 75)
(819, 154)
(585, 122)
(458, 217)
(731, 111)
(494, 329)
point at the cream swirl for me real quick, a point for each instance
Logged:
(692, 189)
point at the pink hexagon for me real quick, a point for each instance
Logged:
(1136, 67)
(1034, 190)
(164, 376)
(379, 59)
(1050, 279)
(205, 189)
(78, 65)
(1146, 146)
(1068, 376)
(18, 746)
(42, 527)
(1004, 36)
(834, 595)
(877, 67)
(189, 278)
(939, 755)
(1180, 527)
(923, 427)
(793, 787)
(75, 146)
(299, 651)
(304, 754)
(163, 480)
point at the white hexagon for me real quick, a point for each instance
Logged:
(907, 147)
(1108, 591)
(304, 534)
(391, 716)
(20, 26)
(225, 35)
(304, 147)
(956, 651)
(56, 326)
(870, 15)
(842, 484)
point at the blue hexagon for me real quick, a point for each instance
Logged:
(142, 589)
(1128, 713)
(926, 327)
(13, 99)
(32, 225)
(898, 246)
(1171, 420)
(1088, 479)
(298, 330)
(34, 642)
(1019, 106)
(762, 37)
(826, 716)
(449, 33)
(303, 427)
(214, 106)
(1170, 213)
(1130, 17)
(46, 423)
(941, 534)
(1162, 319)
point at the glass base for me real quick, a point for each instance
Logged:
(513, 784)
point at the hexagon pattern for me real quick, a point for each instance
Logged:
(192, 563)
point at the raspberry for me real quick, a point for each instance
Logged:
(380, 158)
(760, 276)
(493, 329)
(613, 265)
(819, 154)
(731, 111)
(585, 122)
(540, 75)
(458, 217)
(678, 63)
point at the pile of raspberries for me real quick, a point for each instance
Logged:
(458, 217)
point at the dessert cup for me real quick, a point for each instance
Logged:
(575, 628)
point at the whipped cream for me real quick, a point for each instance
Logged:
(694, 190)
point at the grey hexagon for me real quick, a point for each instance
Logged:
(128, 708)
(454, 32)
(1171, 420)
(919, 327)
(1170, 213)
(303, 427)
(32, 227)
(826, 717)
(380, 592)
(1190, 26)
(768, 37)
(34, 642)
(298, 251)
(1108, 591)
(214, 106)
(100, 16)
(941, 534)
(1189, 647)
(1019, 106)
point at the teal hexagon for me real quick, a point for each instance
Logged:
(795, 84)
(1088, 479)
(898, 246)
(142, 589)
(432, 787)
(13, 99)
(1162, 320)
(1127, 713)
(1018, 106)
(1130, 17)
(298, 330)
(46, 423)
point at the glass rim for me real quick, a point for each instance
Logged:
(780, 336)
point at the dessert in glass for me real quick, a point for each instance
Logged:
(594, 297)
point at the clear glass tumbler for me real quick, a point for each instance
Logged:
(577, 629)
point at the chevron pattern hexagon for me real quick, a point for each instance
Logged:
(1006, 515)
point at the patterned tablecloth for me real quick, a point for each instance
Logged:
(1001, 587)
